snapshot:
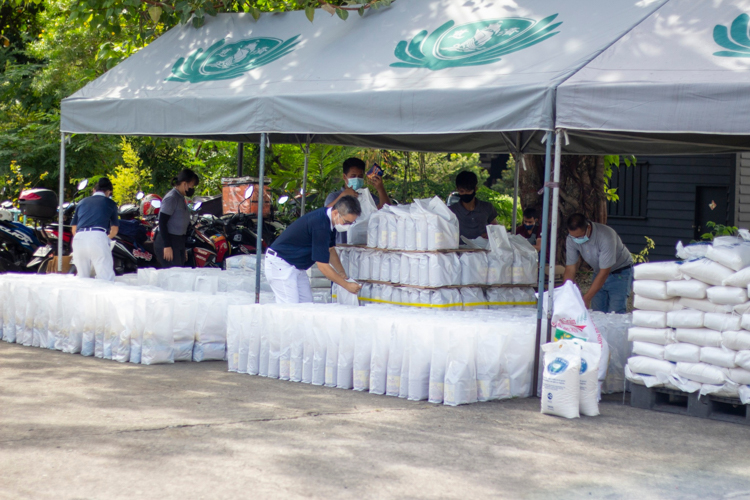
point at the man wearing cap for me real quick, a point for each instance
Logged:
(309, 240)
(95, 223)
(602, 249)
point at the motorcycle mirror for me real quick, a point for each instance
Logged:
(197, 205)
(156, 204)
(249, 192)
(139, 196)
(82, 185)
(66, 205)
(7, 204)
(283, 199)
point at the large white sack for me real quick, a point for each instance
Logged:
(655, 351)
(297, 344)
(183, 326)
(706, 270)
(55, 317)
(460, 369)
(501, 260)
(373, 230)
(662, 271)
(395, 263)
(727, 295)
(473, 298)
(440, 347)
(444, 269)
(396, 348)
(727, 390)
(589, 387)
(742, 359)
(703, 373)
(718, 356)
(525, 260)
(651, 289)
(741, 278)
(736, 340)
(646, 380)
(363, 339)
(561, 380)
(332, 350)
(699, 336)
(704, 305)
(686, 318)
(692, 289)
(722, 322)
(681, 351)
(42, 307)
(234, 335)
(650, 366)
(158, 342)
(692, 251)
(210, 328)
(650, 319)
(354, 258)
(735, 256)
(381, 342)
(9, 315)
(474, 268)
(420, 354)
(647, 304)
(739, 376)
(741, 308)
(441, 224)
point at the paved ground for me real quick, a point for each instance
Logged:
(82, 428)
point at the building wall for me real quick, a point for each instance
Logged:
(668, 212)
(742, 192)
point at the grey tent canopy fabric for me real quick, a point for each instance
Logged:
(445, 75)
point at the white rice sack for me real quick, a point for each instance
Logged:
(662, 271)
(742, 308)
(410, 228)
(741, 278)
(424, 270)
(647, 304)
(734, 257)
(385, 267)
(650, 366)
(396, 349)
(354, 258)
(414, 269)
(706, 270)
(718, 356)
(440, 347)
(703, 373)
(687, 318)
(473, 298)
(727, 295)
(742, 359)
(420, 354)
(699, 336)
(381, 341)
(739, 376)
(736, 340)
(461, 369)
(363, 336)
(493, 381)
(365, 263)
(373, 230)
(444, 269)
(692, 289)
(661, 336)
(704, 305)
(655, 351)
(651, 289)
(693, 251)
(650, 319)
(158, 343)
(680, 351)
(405, 269)
(395, 259)
(722, 322)
(561, 379)
(376, 260)
(474, 268)
(589, 386)
(728, 390)
(392, 228)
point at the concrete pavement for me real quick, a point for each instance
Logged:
(82, 428)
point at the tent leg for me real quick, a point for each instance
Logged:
(514, 224)
(304, 177)
(542, 258)
(240, 157)
(261, 195)
(553, 230)
(60, 210)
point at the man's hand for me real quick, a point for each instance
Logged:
(352, 287)
(168, 256)
(587, 300)
(376, 181)
(349, 192)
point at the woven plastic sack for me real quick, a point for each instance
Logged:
(727, 295)
(693, 251)
(474, 268)
(647, 304)
(699, 336)
(736, 340)
(741, 279)
(460, 369)
(742, 359)
(734, 257)
(686, 318)
(650, 366)
(561, 379)
(661, 336)
(655, 351)
(706, 270)
(703, 373)
(651, 289)
(739, 376)
(691, 289)
(722, 322)
(718, 356)
(705, 306)
(663, 271)
(689, 353)
(650, 319)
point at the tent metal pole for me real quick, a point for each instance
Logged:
(261, 195)
(60, 210)
(240, 158)
(553, 231)
(304, 177)
(542, 256)
(517, 174)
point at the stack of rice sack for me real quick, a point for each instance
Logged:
(466, 298)
(426, 224)
(690, 326)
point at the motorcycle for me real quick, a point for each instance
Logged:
(134, 235)
(206, 243)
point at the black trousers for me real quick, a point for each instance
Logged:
(178, 250)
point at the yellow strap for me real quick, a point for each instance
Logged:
(409, 304)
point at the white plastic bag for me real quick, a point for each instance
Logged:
(736, 256)
(395, 264)
(525, 260)
(504, 263)
(561, 381)
(650, 319)
(699, 336)
(655, 351)
(344, 297)
(741, 278)
(647, 304)
(663, 271)
(460, 369)
(651, 289)
(686, 318)
(703, 373)
(158, 342)
(661, 336)
(693, 251)
(373, 230)
(650, 366)
(722, 322)
(706, 270)
(474, 268)
(689, 353)
(691, 289)
(727, 295)
(588, 403)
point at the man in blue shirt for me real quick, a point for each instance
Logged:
(309, 240)
(95, 218)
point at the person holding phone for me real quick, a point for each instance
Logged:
(354, 179)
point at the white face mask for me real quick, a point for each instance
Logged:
(341, 228)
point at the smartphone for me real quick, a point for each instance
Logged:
(375, 169)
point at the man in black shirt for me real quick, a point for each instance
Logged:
(95, 217)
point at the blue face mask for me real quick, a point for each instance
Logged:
(581, 240)
(356, 183)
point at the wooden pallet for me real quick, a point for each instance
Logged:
(682, 403)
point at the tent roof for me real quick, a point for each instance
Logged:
(445, 75)
(678, 82)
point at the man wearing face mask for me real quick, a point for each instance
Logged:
(473, 215)
(354, 179)
(530, 229)
(310, 240)
(602, 249)
(174, 219)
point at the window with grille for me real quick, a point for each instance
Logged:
(632, 188)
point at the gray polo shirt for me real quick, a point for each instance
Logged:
(341, 237)
(474, 224)
(175, 206)
(603, 250)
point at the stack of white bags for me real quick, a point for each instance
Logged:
(466, 298)
(569, 382)
(690, 329)
(443, 357)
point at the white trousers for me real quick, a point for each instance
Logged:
(289, 284)
(91, 249)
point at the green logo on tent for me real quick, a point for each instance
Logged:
(226, 61)
(735, 39)
(472, 44)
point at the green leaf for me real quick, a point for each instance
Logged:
(343, 14)
(154, 13)
(310, 12)
(198, 22)
(361, 11)
(255, 12)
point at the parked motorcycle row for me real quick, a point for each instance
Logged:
(210, 239)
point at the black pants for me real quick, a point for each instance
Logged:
(178, 250)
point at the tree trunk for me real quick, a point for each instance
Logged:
(581, 191)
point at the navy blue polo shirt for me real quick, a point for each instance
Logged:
(96, 211)
(307, 241)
